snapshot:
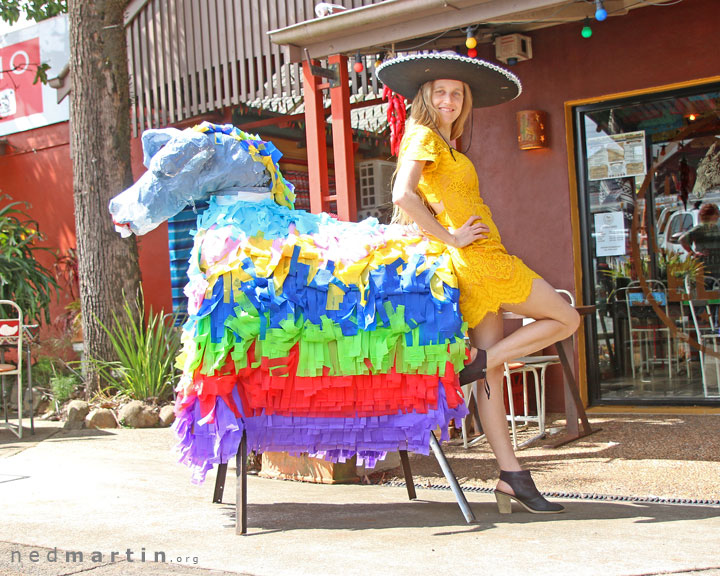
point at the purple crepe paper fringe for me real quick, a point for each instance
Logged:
(201, 446)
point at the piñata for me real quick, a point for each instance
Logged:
(310, 334)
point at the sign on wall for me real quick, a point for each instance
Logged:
(24, 105)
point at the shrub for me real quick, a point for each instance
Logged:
(23, 278)
(146, 348)
(62, 387)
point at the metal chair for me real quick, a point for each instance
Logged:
(644, 326)
(11, 337)
(537, 365)
(703, 313)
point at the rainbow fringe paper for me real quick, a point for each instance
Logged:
(314, 335)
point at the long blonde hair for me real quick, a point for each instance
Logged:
(423, 112)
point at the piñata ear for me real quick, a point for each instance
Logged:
(154, 140)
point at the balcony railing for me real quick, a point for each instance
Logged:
(188, 58)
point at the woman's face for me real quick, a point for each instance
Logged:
(447, 99)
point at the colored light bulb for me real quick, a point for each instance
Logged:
(600, 12)
(471, 42)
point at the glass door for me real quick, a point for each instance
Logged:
(649, 199)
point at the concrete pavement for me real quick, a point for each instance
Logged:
(99, 492)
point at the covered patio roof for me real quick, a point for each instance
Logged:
(394, 25)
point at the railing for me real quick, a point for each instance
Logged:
(188, 58)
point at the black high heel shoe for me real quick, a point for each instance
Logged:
(526, 494)
(475, 370)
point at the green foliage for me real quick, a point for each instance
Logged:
(146, 349)
(22, 277)
(63, 386)
(34, 9)
(678, 265)
(43, 370)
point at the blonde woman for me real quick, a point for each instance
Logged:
(437, 187)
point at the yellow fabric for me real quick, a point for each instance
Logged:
(488, 276)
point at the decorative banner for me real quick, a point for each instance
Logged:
(25, 105)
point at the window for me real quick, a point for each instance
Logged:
(646, 165)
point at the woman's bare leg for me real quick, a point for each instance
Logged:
(492, 410)
(555, 319)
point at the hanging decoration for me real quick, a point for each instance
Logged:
(358, 67)
(586, 31)
(396, 113)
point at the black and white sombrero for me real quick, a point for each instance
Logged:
(489, 84)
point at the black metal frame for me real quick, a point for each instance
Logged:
(241, 523)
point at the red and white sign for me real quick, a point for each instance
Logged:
(18, 65)
(24, 105)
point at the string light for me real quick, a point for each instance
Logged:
(358, 66)
(586, 31)
(470, 41)
(600, 12)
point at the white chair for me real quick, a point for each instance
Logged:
(644, 326)
(11, 337)
(537, 365)
(702, 312)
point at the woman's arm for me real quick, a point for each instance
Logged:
(405, 196)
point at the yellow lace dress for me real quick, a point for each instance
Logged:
(488, 276)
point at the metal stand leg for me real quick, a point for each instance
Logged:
(241, 488)
(30, 390)
(409, 482)
(454, 485)
(220, 483)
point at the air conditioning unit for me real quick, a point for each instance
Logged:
(375, 189)
(513, 48)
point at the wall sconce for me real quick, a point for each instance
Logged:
(531, 129)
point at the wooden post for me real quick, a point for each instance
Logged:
(316, 143)
(342, 141)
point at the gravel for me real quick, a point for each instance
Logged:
(632, 456)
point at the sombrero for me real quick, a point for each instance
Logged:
(489, 84)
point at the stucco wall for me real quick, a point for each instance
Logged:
(529, 191)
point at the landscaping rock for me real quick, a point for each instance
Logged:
(76, 412)
(101, 418)
(135, 414)
(167, 415)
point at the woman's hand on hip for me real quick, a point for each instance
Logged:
(472, 230)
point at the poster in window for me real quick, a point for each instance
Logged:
(616, 155)
(609, 234)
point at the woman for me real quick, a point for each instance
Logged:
(437, 188)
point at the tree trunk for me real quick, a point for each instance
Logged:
(100, 149)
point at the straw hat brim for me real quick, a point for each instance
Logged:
(489, 84)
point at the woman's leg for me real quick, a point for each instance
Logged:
(492, 410)
(555, 320)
